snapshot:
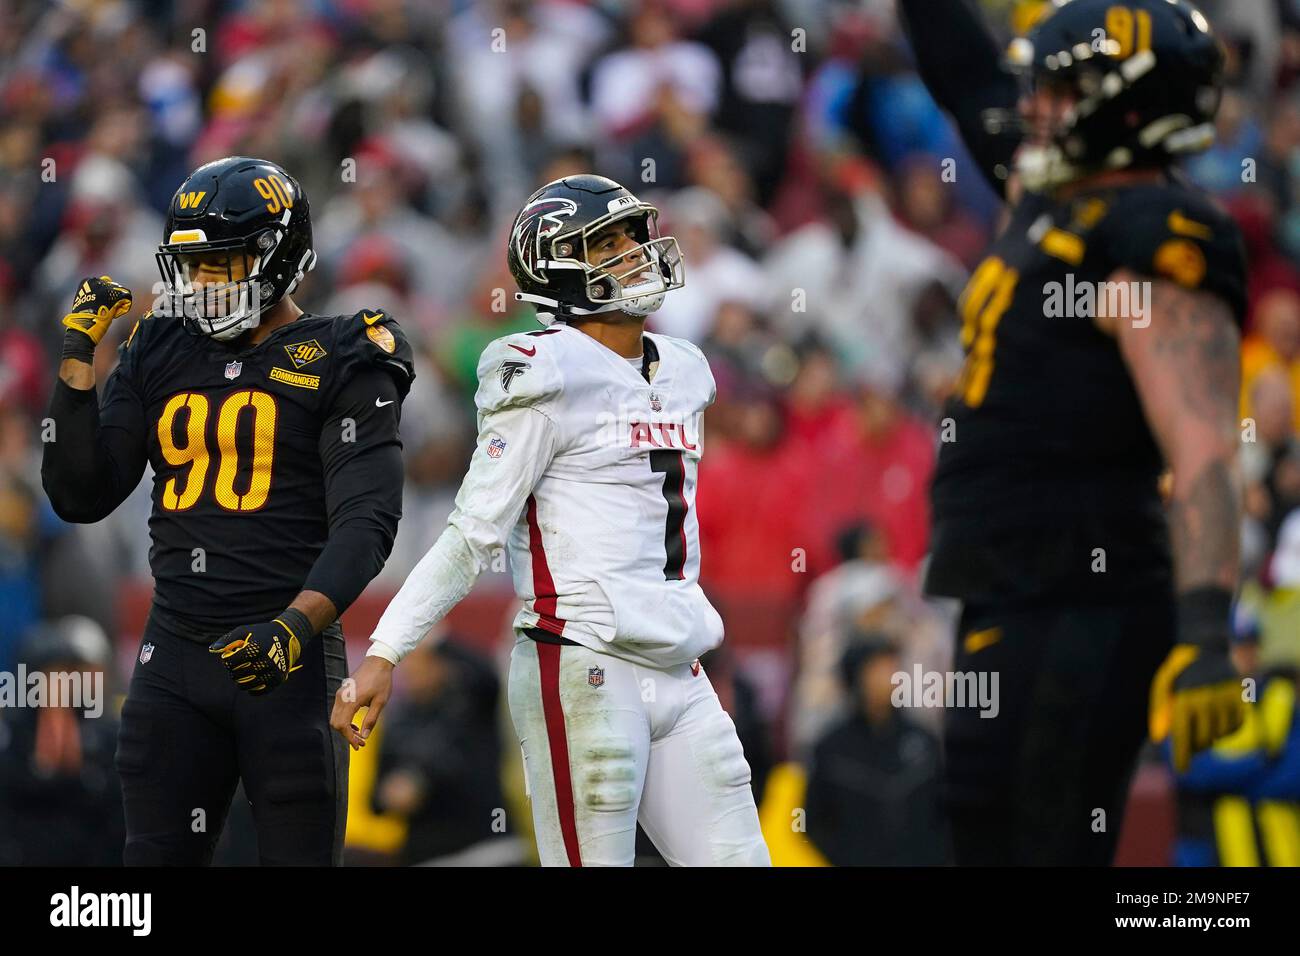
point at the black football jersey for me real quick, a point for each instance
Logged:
(1047, 473)
(239, 441)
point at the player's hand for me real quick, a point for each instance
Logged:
(369, 687)
(1195, 699)
(260, 657)
(98, 302)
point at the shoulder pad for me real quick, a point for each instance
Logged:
(139, 340)
(373, 337)
(1176, 234)
(517, 369)
(689, 351)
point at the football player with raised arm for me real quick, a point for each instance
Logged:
(585, 471)
(277, 488)
(1076, 581)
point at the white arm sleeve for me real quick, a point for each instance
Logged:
(489, 503)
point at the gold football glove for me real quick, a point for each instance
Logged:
(98, 302)
(1196, 696)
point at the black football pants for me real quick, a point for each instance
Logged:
(189, 734)
(1045, 781)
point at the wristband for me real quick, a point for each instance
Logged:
(1205, 617)
(78, 345)
(299, 624)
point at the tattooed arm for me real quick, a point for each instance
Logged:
(1185, 361)
(1186, 366)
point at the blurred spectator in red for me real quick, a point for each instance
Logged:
(1270, 268)
(755, 494)
(876, 465)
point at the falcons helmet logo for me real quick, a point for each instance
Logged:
(537, 221)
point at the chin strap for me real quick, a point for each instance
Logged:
(550, 313)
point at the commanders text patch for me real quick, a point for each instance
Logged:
(301, 379)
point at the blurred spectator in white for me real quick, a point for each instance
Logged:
(438, 263)
(513, 57)
(715, 164)
(651, 98)
(393, 91)
(854, 278)
(862, 592)
(716, 272)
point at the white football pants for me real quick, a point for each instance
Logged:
(607, 743)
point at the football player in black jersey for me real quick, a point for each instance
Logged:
(1102, 335)
(277, 489)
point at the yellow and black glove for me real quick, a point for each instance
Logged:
(98, 302)
(260, 657)
(1196, 697)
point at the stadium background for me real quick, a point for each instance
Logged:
(828, 216)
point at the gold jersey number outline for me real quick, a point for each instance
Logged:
(182, 493)
(984, 300)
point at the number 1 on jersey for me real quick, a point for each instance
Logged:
(673, 467)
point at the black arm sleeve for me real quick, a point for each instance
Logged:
(361, 452)
(96, 454)
(960, 62)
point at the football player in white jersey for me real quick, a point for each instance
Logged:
(585, 471)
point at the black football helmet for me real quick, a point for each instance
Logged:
(1147, 79)
(548, 251)
(230, 210)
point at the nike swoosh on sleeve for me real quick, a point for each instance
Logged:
(379, 404)
(530, 352)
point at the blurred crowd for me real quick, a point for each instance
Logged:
(828, 215)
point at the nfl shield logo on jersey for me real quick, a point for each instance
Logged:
(596, 676)
(496, 446)
(655, 404)
(146, 652)
(233, 369)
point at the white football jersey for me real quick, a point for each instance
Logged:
(605, 548)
